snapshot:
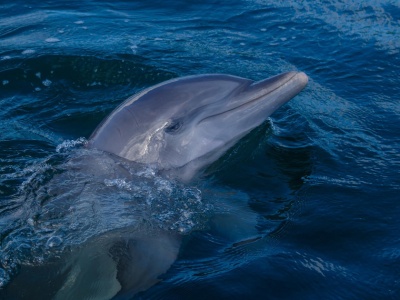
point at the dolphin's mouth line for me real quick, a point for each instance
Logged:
(250, 101)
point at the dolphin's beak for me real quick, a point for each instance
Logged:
(258, 101)
(252, 106)
(277, 90)
(272, 83)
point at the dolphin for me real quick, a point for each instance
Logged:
(182, 125)
(179, 127)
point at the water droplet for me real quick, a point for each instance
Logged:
(54, 241)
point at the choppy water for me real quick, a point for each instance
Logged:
(318, 185)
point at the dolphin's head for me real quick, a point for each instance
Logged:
(184, 124)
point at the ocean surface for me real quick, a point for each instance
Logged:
(309, 201)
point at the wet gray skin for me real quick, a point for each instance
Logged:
(179, 126)
(182, 125)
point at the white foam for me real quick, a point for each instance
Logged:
(28, 51)
(34, 173)
(68, 144)
(134, 49)
(119, 183)
(4, 278)
(52, 40)
(164, 185)
(147, 173)
(46, 82)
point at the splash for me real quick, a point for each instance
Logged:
(78, 194)
(68, 144)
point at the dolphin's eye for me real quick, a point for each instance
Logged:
(173, 127)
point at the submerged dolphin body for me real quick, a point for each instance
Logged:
(179, 127)
(182, 125)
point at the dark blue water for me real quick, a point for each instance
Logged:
(318, 184)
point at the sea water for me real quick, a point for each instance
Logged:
(314, 191)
